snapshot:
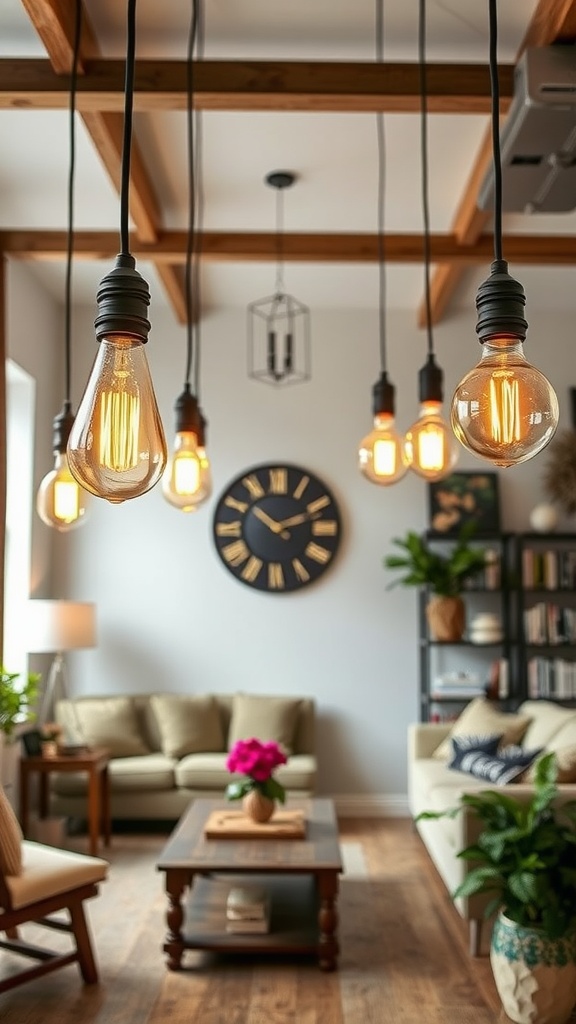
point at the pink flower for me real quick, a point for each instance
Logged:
(255, 759)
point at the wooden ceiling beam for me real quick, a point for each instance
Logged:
(553, 21)
(254, 86)
(54, 23)
(223, 246)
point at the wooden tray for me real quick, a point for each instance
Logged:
(237, 825)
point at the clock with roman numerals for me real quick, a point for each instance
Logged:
(277, 527)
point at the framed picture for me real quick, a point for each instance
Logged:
(32, 742)
(461, 498)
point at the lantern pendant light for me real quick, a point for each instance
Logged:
(116, 447)
(187, 479)
(430, 444)
(382, 457)
(504, 409)
(60, 502)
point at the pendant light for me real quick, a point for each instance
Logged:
(187, 480)
(430, 444)
(382, 457)
(279, 325)
(116, 447)
(504, 409)
(60, 501)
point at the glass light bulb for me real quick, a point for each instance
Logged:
(430, 447)
(116, 447)
(382, 457)
(60, 501)
(187, 479)
(504, 409)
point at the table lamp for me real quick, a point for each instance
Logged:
(56, 627)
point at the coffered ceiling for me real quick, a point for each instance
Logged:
(282, 85)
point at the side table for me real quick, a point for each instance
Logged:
(95, 763)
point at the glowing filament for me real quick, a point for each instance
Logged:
(431, 455)
(119, 428)
(66, 500)
(505, 422)
(384, 457)
(186, 473)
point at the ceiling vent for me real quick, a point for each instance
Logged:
(538, 138)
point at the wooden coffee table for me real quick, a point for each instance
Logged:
(301, 876)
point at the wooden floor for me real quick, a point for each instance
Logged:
(403, 959)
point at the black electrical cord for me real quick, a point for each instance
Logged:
(70, 234)
(198, 208)
(191, 189)
(127, 135)
(424, 156)
(381, 195)
(495, 91)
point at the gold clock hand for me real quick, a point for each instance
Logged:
(267, 520)
(300, 518)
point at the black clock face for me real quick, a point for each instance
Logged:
(277, 527)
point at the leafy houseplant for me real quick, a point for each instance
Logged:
(256, 761)
(443, 574)
(525, 854)
(16, 699)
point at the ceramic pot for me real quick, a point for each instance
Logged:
(446, 618)
(257, 806)
(535, 976)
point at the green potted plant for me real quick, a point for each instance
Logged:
(525, 854)
(16, 700)
(444, 574)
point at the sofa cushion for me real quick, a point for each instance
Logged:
(10, 839)
(263, 718)
(565, 762)
(188, 725)
(146, 773)
(547, 719)
(110, 722)
(481, 718)
(208, 771)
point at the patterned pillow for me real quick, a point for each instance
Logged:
(483, 761)
(10, 839)
(482, 717)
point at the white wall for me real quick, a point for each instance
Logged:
(171, 617)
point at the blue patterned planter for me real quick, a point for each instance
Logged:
(535, 976)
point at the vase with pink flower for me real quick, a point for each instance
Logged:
(258, 790)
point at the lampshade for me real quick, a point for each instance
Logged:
(56, 626)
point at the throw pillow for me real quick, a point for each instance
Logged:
(481, 718)
(263, 718)
(111, 722)
(188, 725)
(566, 762)
(484, 763)
(10, 839)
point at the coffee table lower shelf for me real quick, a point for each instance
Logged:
(294, 926)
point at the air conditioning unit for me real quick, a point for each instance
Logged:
(538, 138)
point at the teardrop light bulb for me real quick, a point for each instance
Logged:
(382, 456)
(187, 479)
(116, 447)
(60, 501)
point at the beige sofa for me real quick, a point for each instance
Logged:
(432, 786)
(167, 748)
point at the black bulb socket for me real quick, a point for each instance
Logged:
(431, 381)
(123, 298)
(187, 412)
(500, 303)
(383, 396)
(61, 427)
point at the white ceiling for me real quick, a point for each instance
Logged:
(334, 155)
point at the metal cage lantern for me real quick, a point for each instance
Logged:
(279, 325)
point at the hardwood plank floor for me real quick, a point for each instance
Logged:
(403, 959)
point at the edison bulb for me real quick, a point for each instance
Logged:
(430, 446)
(60, 501)
(382, 457)
(187, 479)
(116, 447)
(504, 410)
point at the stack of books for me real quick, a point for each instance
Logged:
(248, 910)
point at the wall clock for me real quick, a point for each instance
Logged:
(277, 527)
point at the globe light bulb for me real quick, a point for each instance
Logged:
(116, 447)
(504, 410)
(187, 479)
(60, 501)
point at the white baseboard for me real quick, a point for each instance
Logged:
(389, 805)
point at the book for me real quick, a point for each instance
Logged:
(260, 927)
(247, 903)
